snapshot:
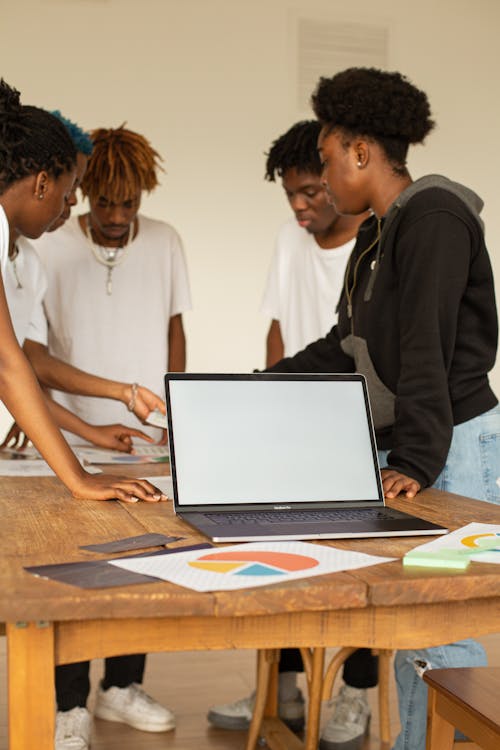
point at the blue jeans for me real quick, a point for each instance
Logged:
(472, 469)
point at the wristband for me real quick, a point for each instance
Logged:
(131, 403)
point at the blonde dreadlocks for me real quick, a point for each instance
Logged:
(122, 164)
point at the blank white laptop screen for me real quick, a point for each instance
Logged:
(266, 441)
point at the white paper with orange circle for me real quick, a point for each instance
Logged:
(241, 566)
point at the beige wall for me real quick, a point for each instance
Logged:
(212, 83)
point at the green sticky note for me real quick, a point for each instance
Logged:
(449, 558)
(443, 558)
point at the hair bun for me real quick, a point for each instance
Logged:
(10, 104)
(374, 103)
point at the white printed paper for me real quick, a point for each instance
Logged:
(143, 454)
(479, 541)
(164, 484)
(32, 468)
(157, 419)
(247, 565)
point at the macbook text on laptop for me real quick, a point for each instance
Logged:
(274, 456)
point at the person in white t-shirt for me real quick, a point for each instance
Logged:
(117, 288)
(303, 288)
(25, 287)
(117, 280)
(312, 249)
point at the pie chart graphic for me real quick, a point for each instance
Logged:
(254, 563)
(483, 541)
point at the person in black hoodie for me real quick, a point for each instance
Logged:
(417, 317)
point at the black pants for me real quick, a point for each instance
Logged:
(360, 669)
(73, 684)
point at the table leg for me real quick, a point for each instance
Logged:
(272, 656)
(265, 722)
(315, 695)
(266, 659)
(31, 696)
(385, 658)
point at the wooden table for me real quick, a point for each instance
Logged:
(50, 623)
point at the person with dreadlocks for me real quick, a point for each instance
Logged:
(117, 288)
(311, 252)
(37, 172)
(25, 286)
(303, 288)
(117, 280)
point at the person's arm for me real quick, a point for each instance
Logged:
(111, 436)
(323, 355)
(21, 394)
(176, 345)
(54, 373)
(275, 348)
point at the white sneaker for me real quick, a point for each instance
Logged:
(237, 715)
(73, 729)
(132, 706)
(350, 723)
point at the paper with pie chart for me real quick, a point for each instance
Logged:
(247, 565)
(480, 542)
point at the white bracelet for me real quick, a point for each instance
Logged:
(131, 403)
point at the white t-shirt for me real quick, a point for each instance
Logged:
(4, 240)
(123, 335)
(25, 286)
(304, 286)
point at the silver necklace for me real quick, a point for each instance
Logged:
(109, 256)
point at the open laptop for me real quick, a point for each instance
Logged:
(278, 457)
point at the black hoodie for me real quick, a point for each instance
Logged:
(418, 318)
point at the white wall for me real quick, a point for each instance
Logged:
(211, 83)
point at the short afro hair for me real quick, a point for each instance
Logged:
(377, 104)
(297, 148)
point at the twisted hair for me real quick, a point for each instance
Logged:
(80, 137)
(297, 148)
(122, 164)
(375, 103)
(31, 140)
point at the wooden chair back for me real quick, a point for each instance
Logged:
(466, 699)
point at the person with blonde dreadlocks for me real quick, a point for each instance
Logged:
(117, 281)
(117, 288)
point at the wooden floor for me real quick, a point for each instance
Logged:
(189, 683)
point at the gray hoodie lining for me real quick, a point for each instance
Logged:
(468, 197)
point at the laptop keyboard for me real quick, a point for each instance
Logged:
(303, 516)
